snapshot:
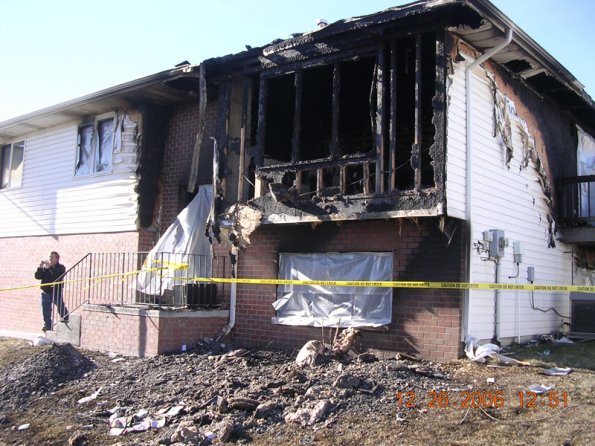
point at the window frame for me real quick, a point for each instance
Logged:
(12, 145)
(95, 141)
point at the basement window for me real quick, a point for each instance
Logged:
(332, 306)
(95, 146)
(11, 162)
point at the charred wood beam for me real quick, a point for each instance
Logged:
(351, 54)
(417, 137)
(261, 132)
(202, 107)
(319, 180)
(297, 118)
(223, 133)
(298, 181)
(318, 53)
(371, 102)
(351, 160)
(334, 148)
(380, 122)
(393, 118)
(242, 164)
(302, 49)
(438, 148)
(244, 122)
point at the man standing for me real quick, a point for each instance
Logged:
(49, 272)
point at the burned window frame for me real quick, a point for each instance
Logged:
(10, 183)
(94, 155)
(378, 173)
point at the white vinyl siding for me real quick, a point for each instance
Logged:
(504, 198)
(53, 201)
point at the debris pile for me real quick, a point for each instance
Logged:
(215, 394)
(42, 373)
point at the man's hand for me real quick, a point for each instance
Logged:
(44, 264)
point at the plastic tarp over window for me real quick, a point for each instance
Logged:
(332, 306)
(184, 242)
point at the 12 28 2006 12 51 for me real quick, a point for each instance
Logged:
(481, 399)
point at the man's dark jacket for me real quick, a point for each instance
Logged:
(49, 275)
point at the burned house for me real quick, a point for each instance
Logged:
(402, 139)
(422, 143)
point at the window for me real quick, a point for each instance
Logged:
(330, 306)
(95, 147)
(11, 174)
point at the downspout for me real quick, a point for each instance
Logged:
(469, 168)
(497, 304)
(232, 311)
(233, 288)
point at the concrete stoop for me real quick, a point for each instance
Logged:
(67, 331)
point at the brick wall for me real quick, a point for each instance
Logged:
(427, 322)
(179, 146)
(130, 332)
(21, 308)
(142, 332)
(188, 328)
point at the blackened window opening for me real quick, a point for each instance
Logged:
(404, 132)
(279, 119)
(355, 130)
(316, 116)
(405, 125)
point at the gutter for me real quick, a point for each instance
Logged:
(554, 68)
(469, 174)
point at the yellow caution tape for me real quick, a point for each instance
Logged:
(403, 284)
(85, 279)
(334, 283)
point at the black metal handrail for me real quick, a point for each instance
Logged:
(113, 278)
(69, 298)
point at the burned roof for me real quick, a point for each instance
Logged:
(478, 22)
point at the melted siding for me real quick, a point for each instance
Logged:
(507, 199)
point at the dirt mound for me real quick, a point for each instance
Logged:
(41, 373)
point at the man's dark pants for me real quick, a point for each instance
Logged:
(46, 306)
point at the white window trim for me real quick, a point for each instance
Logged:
(11, 144)
(94, 141)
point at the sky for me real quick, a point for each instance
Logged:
(54, 51)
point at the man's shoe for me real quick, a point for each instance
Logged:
(46, 328)
(64, 320)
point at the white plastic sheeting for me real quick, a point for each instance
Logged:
(332, 306)
(184, 242)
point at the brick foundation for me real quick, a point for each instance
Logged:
(427, 322)
(142, 332)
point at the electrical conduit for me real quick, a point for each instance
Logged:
(469, 170)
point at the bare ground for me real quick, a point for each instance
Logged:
(365, 403)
